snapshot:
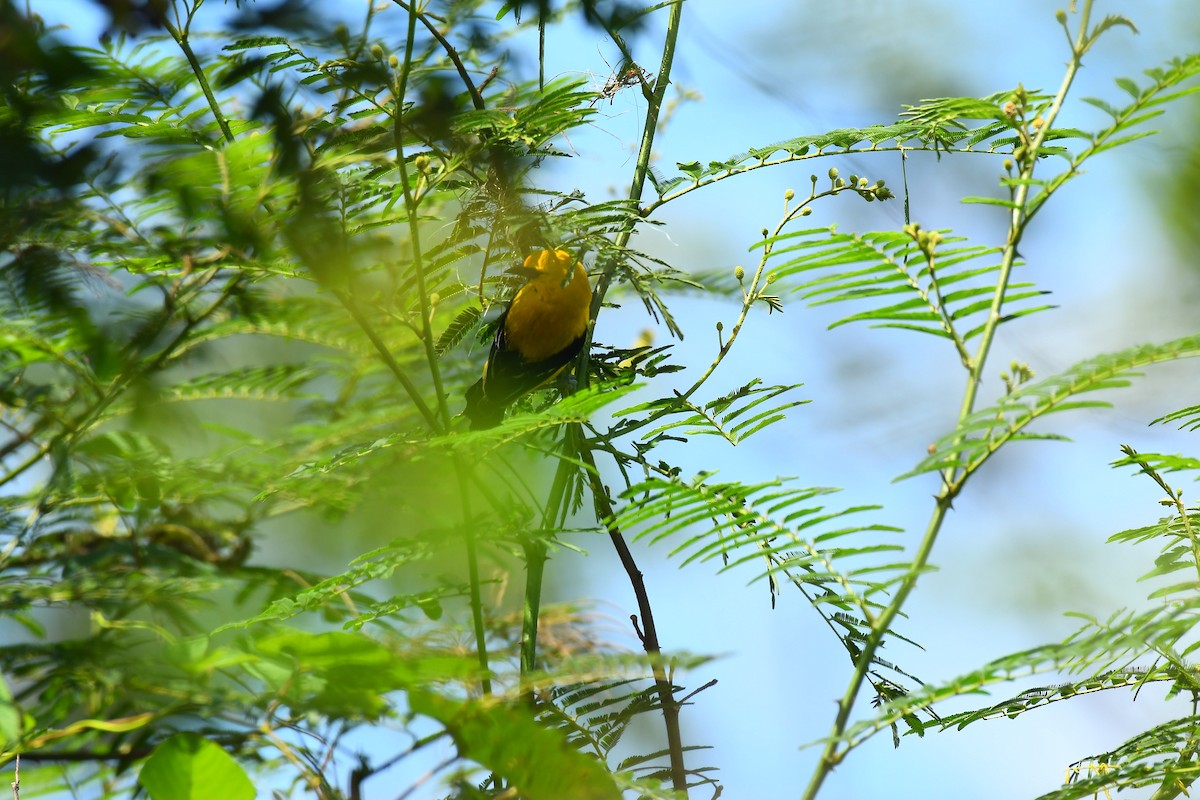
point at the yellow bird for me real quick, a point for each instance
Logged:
(540, 332)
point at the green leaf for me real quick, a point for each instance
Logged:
(256, 41)
(10, 715)
(974, 440)
(692, 169)
(1112, 21)
(1186, 417)
(507, 741)
(990, 201)
(349, 675)
(189, 767)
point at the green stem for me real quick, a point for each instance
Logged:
(413, 223)
(831, 756)
(535, 566)
(535, 569)
(1017, 224)
(181, 39)
(481, 650)
(832, 753)
(638, 184)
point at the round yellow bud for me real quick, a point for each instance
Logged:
(833, 173)
(739, 273)
(377, 52)
(789, 194)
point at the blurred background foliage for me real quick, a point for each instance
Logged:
(205, 257)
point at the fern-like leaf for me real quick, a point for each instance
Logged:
(737, 524)
(978, 436)
(728, 416)
(959, 123)
(1186, 417)
(886, 271)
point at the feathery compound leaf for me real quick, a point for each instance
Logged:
(1160, 462)
(736, 523)
(301, 319)
(1162, 756)
(725, 416)
(576, 407)
(982, 433)
(957, 123)
(595, 715)
(378, 564)
(1101, 650)
(460, 326)
(907, 287)
(279, 382)
(1186, 417)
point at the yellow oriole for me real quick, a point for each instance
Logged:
(539, 333)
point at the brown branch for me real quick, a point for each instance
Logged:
(648, 633)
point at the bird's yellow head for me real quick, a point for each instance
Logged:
(550, 265)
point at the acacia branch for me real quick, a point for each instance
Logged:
(647, 632)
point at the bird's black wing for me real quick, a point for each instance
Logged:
(507, 376)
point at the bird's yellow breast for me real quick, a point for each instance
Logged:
(546, 317)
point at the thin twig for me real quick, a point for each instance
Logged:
(476, 97)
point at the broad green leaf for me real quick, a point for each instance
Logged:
(502, 737)
(10, 716)
(189, 767)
